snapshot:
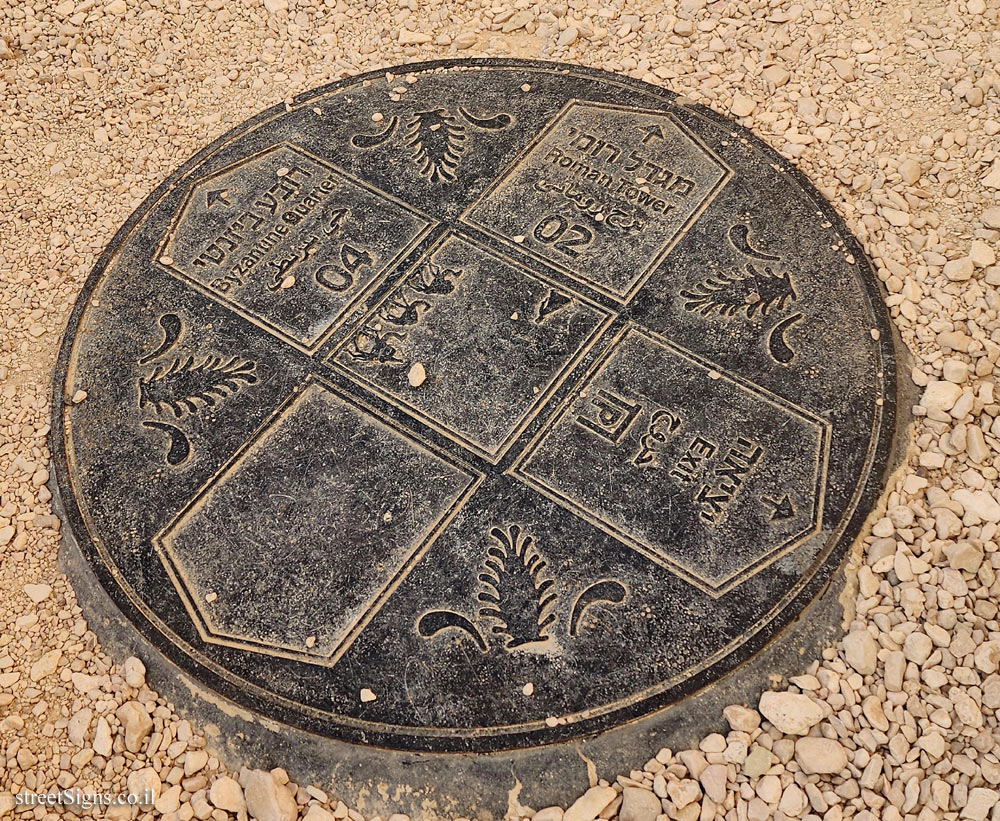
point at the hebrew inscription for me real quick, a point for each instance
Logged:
(289, 240)
(478, 324)
(603, 194)
(696, 458)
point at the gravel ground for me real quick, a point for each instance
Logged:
(893, 110)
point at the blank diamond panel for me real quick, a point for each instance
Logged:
(293, 546)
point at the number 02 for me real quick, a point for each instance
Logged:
(556, 231)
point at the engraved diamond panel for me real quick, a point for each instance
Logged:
(256, 566)
(701, 472)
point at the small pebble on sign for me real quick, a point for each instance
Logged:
(417, 375)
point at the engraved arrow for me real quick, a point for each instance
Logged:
(782, 508)
(652, 131)
(552, 302)
(218, 195)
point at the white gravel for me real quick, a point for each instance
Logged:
(892, 109)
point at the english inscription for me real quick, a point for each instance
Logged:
(603, 194)
(696, 459)
(288, 240)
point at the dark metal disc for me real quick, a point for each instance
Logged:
(478, 406)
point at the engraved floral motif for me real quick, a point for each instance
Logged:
(517, 597)
(436, 136)
(438, 142)
(186, 386)
(751, 292)
(516, 594)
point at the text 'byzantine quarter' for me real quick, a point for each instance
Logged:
(288, 240)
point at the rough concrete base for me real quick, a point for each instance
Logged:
(487, 786)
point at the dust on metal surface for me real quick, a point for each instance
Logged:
(527, 398)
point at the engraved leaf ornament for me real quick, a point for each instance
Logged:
(515, 593)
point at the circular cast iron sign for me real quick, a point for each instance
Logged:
(473, 407)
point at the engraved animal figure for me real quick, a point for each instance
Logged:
(752, 292)
(187, 385)
(438, 142)
(440, 281)
(515, 594)
(371, 346)
(400, 312)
